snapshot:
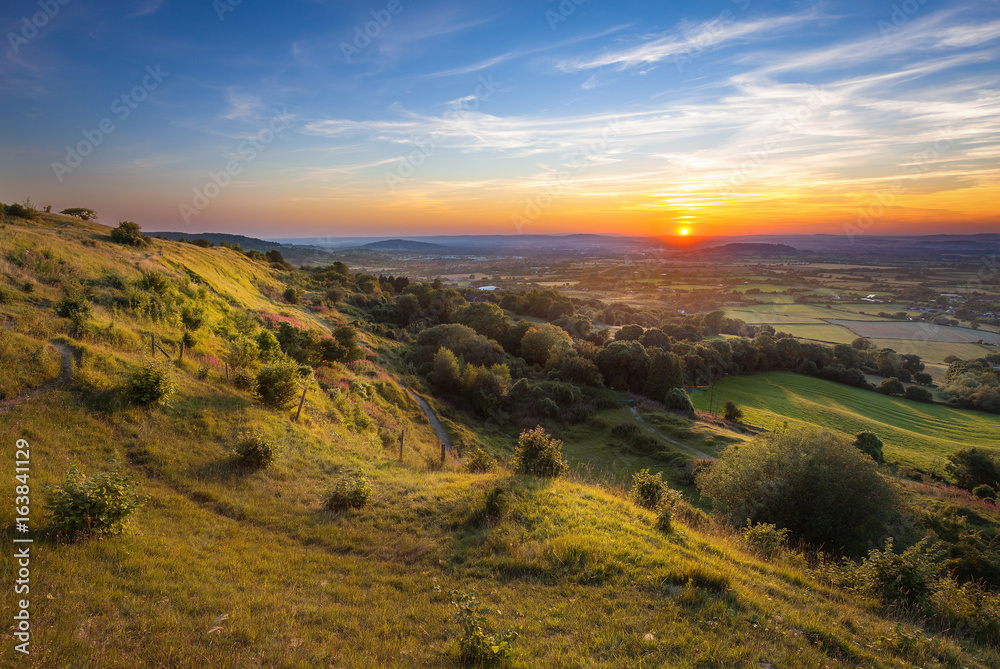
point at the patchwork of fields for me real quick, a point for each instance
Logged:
(914, 433)
(916, 331)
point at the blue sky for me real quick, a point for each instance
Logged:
(278, 119)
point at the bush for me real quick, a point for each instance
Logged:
(665, 518)
(815, 483)
(972, 467)
(891, 386)
(868, 443)
(255, 451)
(349, 492)
(278, 385)
(243, 379)
(898, 578)
(765, 538)
(984, 492)
(678, 401)
(130, 234)
(647, 490)
(477, 646)
(100, 504)
(150, 383)
(480, 462)
(74, 305)
(732, 413)
(538, 454)
(918, 394)
(291, 296)
(21, 211)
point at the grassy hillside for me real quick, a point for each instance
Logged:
(916, 433)
(228, 567)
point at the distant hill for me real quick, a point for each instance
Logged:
(405, 245)
(749, 250)
(246, 243)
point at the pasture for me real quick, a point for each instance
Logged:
(916, 331)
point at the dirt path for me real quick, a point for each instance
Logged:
(67, 371)
(684, 447)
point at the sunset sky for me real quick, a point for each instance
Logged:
(724, 117)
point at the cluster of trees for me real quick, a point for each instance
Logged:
(974, 384)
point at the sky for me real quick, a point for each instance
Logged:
(421, 117)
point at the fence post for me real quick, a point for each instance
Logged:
(152, 345)
(301, 402)
(402, 432)
(227, 372)
(442, 452)
(181, 356)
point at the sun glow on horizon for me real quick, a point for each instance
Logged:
(684, 232)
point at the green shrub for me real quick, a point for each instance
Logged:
(255, 451)
(647, 490)
(477, 646)
(732, 413)
(815, 483)
(130, 234)
(973, 467)
(765, 538)
(349, 492)
(665, 517)
(918, 394)
(243, 352)
(74, 304)
(150, 383)
(291, 296)
(678, 401)
(278, 385)
(538, 454)
(895, 579)
(243, 379)
(984, 491)
(480, 462)
(100, 504)
(868, 443)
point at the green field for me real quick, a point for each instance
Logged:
(774, 314)
(935, 351)
(914, 433)
(833, 334)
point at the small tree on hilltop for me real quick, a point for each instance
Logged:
(81, 213)
(130, 234)
(538, 454)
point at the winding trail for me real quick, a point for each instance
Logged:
(684, 447)
(67, 371)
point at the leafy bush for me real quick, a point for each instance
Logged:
(972, 467)
(731, 412)
(278, 385)
(74, 304)
(665, 517)
(898, 578)
(243, 379)
(255, 451)
(765, 538)
(984, 492)
(349, 492)
(647, 490)
(477, 646)
(537, 453)
(918, 394)
(130, 234)
(480, 462)
(678, 401)
(868, 443)
(100, 504)
(150, 383)
(21, 211)
(291, 295)
(891, 386)
(814, 483)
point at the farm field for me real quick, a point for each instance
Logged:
(911, 330)
(833, 334)
(914, 433)
(935, 351)
(772, 314)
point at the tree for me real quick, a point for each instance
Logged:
(973, 467)
(868, 443)
(861, 344)
(923, 378)
(891, 386)
(542, 341)
(814, 483)
(81, 213)
(447, 374)
(277, 384)
(664, 373)
(485, 318)
(731, 412)
(918, 394)
(130, 234)
(678, 401)
(624, 365)
(629, 333)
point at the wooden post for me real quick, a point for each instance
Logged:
(401, 434)
(227, 372)
(301, 402)
(152, 346)
(181, 356)
(442, 452)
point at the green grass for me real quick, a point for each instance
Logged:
(776, 314)
(936, 351)
(833, 334)
(914, 433)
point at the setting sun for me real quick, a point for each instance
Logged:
(684, 232)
